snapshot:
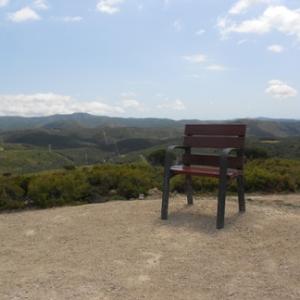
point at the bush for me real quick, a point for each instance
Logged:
(69, 167)
(256, 153)
(7, 174)
(11, 195)
(47, 191)
(273, 175)
(157, 157)
(200, 184)
(103, 180)
(126, 181)
(133, 183)
(23, 182)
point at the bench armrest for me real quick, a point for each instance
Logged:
(170, 149)
(225, 153)
(174, 147)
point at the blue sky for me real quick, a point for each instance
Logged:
(151, 58)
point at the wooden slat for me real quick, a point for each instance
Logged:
(214, 142)
(215, 129)
(203, 171)
(211, 160)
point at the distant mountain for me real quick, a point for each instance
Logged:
(81, 128)
(44, 143)
(82, 119)
(108, 139)
(272, 128)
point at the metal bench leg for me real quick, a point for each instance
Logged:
(241, 193)
(221, 202)
(189, 189)
(165, 197)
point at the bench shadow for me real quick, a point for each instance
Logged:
(201, 222)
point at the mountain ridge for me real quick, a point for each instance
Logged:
(82, 128)
(257, 126)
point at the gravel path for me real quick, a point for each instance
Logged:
(122, 250)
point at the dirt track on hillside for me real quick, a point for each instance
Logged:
(122, 250)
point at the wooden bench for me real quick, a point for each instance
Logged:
(228, 164)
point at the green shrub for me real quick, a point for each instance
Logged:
(200, 184)
(133, 183)
(157, 157)
(69, 167)
(126, 181)
(48, 190)
(6, 174)
(273, 175)
(103, 180)
(129, 180)
(256, 153)
(23, 182)
(206, 184)
(11, 195)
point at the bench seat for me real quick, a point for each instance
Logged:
(203, 171)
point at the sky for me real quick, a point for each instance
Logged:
(179, 59)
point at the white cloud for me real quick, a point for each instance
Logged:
(174, 105)
(216, 68)
(97, 108)
(279, 89)
(200, 59)
(23, 15)
(279, 18)
(4, 2)
(242, 6)
(178, 26)
(276, 48)
(200, 32)
(41, 4)
(42, 104)
(131, 103)
(109, 6)
(196, 58)
(69, 19)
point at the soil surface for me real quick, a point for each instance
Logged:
(122, 250)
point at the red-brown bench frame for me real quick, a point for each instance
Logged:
(230, 138)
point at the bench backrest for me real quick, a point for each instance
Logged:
(214, 136)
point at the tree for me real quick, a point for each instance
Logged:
(157, 157)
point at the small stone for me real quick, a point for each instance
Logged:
(154, 193)
(112, 192)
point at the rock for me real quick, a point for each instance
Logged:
(112, 192)
(154, 193)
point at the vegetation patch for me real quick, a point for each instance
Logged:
(106, 182)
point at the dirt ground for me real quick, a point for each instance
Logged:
(122, 250)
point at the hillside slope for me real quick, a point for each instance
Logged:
(260, 127)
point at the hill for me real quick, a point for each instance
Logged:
(42, 143)
(82, 119)
(260, 127)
